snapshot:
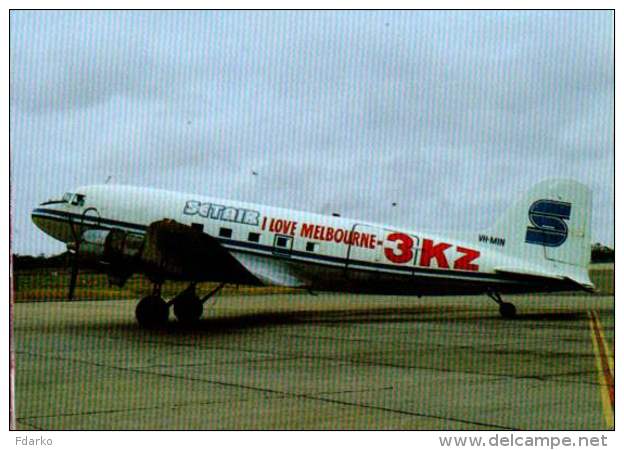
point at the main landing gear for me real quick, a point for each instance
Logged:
(153, 312)
(507, 310)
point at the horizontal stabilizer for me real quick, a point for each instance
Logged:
(525, 272)
(582, 282)
(587, 287)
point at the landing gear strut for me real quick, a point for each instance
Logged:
(507, 310)
(152, 311)
(188, 307)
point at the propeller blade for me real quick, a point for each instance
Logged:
(73, 248)
(73, 277)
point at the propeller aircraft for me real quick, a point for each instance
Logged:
(541, 244)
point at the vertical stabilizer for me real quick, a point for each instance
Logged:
(551, 223)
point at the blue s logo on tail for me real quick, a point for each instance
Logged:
(548, 226)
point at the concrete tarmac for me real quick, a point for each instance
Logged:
(317, 362)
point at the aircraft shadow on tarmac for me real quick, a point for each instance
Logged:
(417, 314)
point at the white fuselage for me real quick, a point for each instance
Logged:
(297, 248)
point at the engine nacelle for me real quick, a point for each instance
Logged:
(110, 246)
(92, 245)
(116, 249)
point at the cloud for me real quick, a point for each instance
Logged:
(334, 110)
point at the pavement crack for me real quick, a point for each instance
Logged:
(277, 392)
(353, 391)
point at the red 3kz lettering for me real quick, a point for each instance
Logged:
(430, 252)
(404, 246)
(465, 262)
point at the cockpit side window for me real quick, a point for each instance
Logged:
(67, 197)
(78, 200)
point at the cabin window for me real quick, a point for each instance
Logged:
(311, 246)
(197, 226)
(225, 232)
(253, 237)
(281, 241)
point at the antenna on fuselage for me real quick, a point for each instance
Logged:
(108, 179)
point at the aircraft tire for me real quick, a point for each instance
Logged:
(507, 310)
(152, 312)
(188, 310)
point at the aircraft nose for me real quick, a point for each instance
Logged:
(37, 217)
(52, 223)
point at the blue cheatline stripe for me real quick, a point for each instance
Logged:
(42, 212)
(266, 250)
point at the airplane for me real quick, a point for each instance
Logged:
(541, 244)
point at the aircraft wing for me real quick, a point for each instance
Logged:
(174, 250)
(270, 271)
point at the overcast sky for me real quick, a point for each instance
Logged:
(450, 115)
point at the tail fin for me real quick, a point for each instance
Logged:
(551, 224)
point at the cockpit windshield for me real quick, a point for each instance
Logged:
(69, 197)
